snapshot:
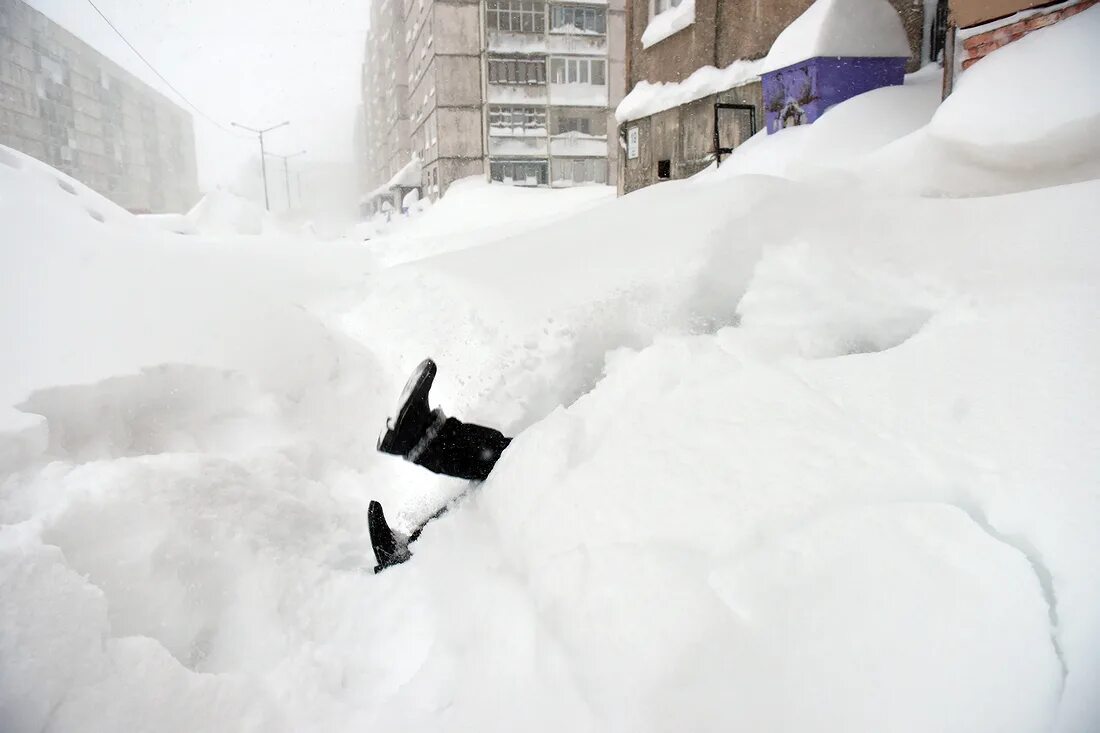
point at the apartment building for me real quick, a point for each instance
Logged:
(67, 105)
(385, 90)
(445, 104)
(669, 41)
(553, 73)
(520, 91)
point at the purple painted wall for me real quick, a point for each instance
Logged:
(800, 93)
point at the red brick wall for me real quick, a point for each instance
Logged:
(978, 47)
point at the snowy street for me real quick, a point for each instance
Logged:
(805, 442)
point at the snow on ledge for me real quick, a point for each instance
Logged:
(840, 28)
(673, 20)
(409, 175)
(646, 98)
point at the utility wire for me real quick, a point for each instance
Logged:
(161, 76)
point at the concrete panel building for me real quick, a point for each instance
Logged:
(444, 90)
(553, 76)
(520, 91)
(64, 103)
(385, 91)
(680, 141)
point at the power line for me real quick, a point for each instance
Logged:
(159, 75)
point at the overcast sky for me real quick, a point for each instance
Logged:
(257, 62)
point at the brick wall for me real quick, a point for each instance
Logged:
(979, 46)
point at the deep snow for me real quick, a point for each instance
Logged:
(804, 443)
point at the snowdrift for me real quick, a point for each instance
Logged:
(797, 451)
(472, 213)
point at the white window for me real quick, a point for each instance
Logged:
(515, 16)
(660, 6)
(578, 71)
(517, 71)
(516, 120)
(578, 19)
(585, 122)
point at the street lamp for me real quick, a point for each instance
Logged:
(286, 174)
(263, 163)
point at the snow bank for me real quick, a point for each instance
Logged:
(740, 480)
(974, 144)
(792, 453)
(673, 20)
(840, 28)
(474, 212)
(978, 142)
(175, 223)
(222, 213)
(646, 98)
(843, 137)
(1051, 70)
(86, 300)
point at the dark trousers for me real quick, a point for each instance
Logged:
(463, 450)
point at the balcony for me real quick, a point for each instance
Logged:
(508, 42)
(517, 147)
(578, 95)
(578, 145)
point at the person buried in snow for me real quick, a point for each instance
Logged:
(439, 443)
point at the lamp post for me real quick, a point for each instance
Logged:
(286, 174)
(263, 163)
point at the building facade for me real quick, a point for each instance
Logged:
(519, 91)
(682, 140)
(553, 73)
(67, 105)
(445, 105)
(385, 89)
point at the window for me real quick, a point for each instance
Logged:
(578, 71)
(573, 124)
(660, 6)
(515, 120)
(578, 19)
(521, 172)
(664, 169)
(515, 16)
(517, 71)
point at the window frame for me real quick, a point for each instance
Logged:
(568, 70)
(563, 19)
(515, 16)
(516, 70)
(529, 117)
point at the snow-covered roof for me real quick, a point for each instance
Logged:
(840, 28)
(409, 175)
(646, 98)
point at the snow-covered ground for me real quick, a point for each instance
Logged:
(804, 443)
(472, 213)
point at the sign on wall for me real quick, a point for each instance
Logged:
(632, 143)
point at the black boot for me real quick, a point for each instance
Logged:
(387, 549)
(414, 414)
